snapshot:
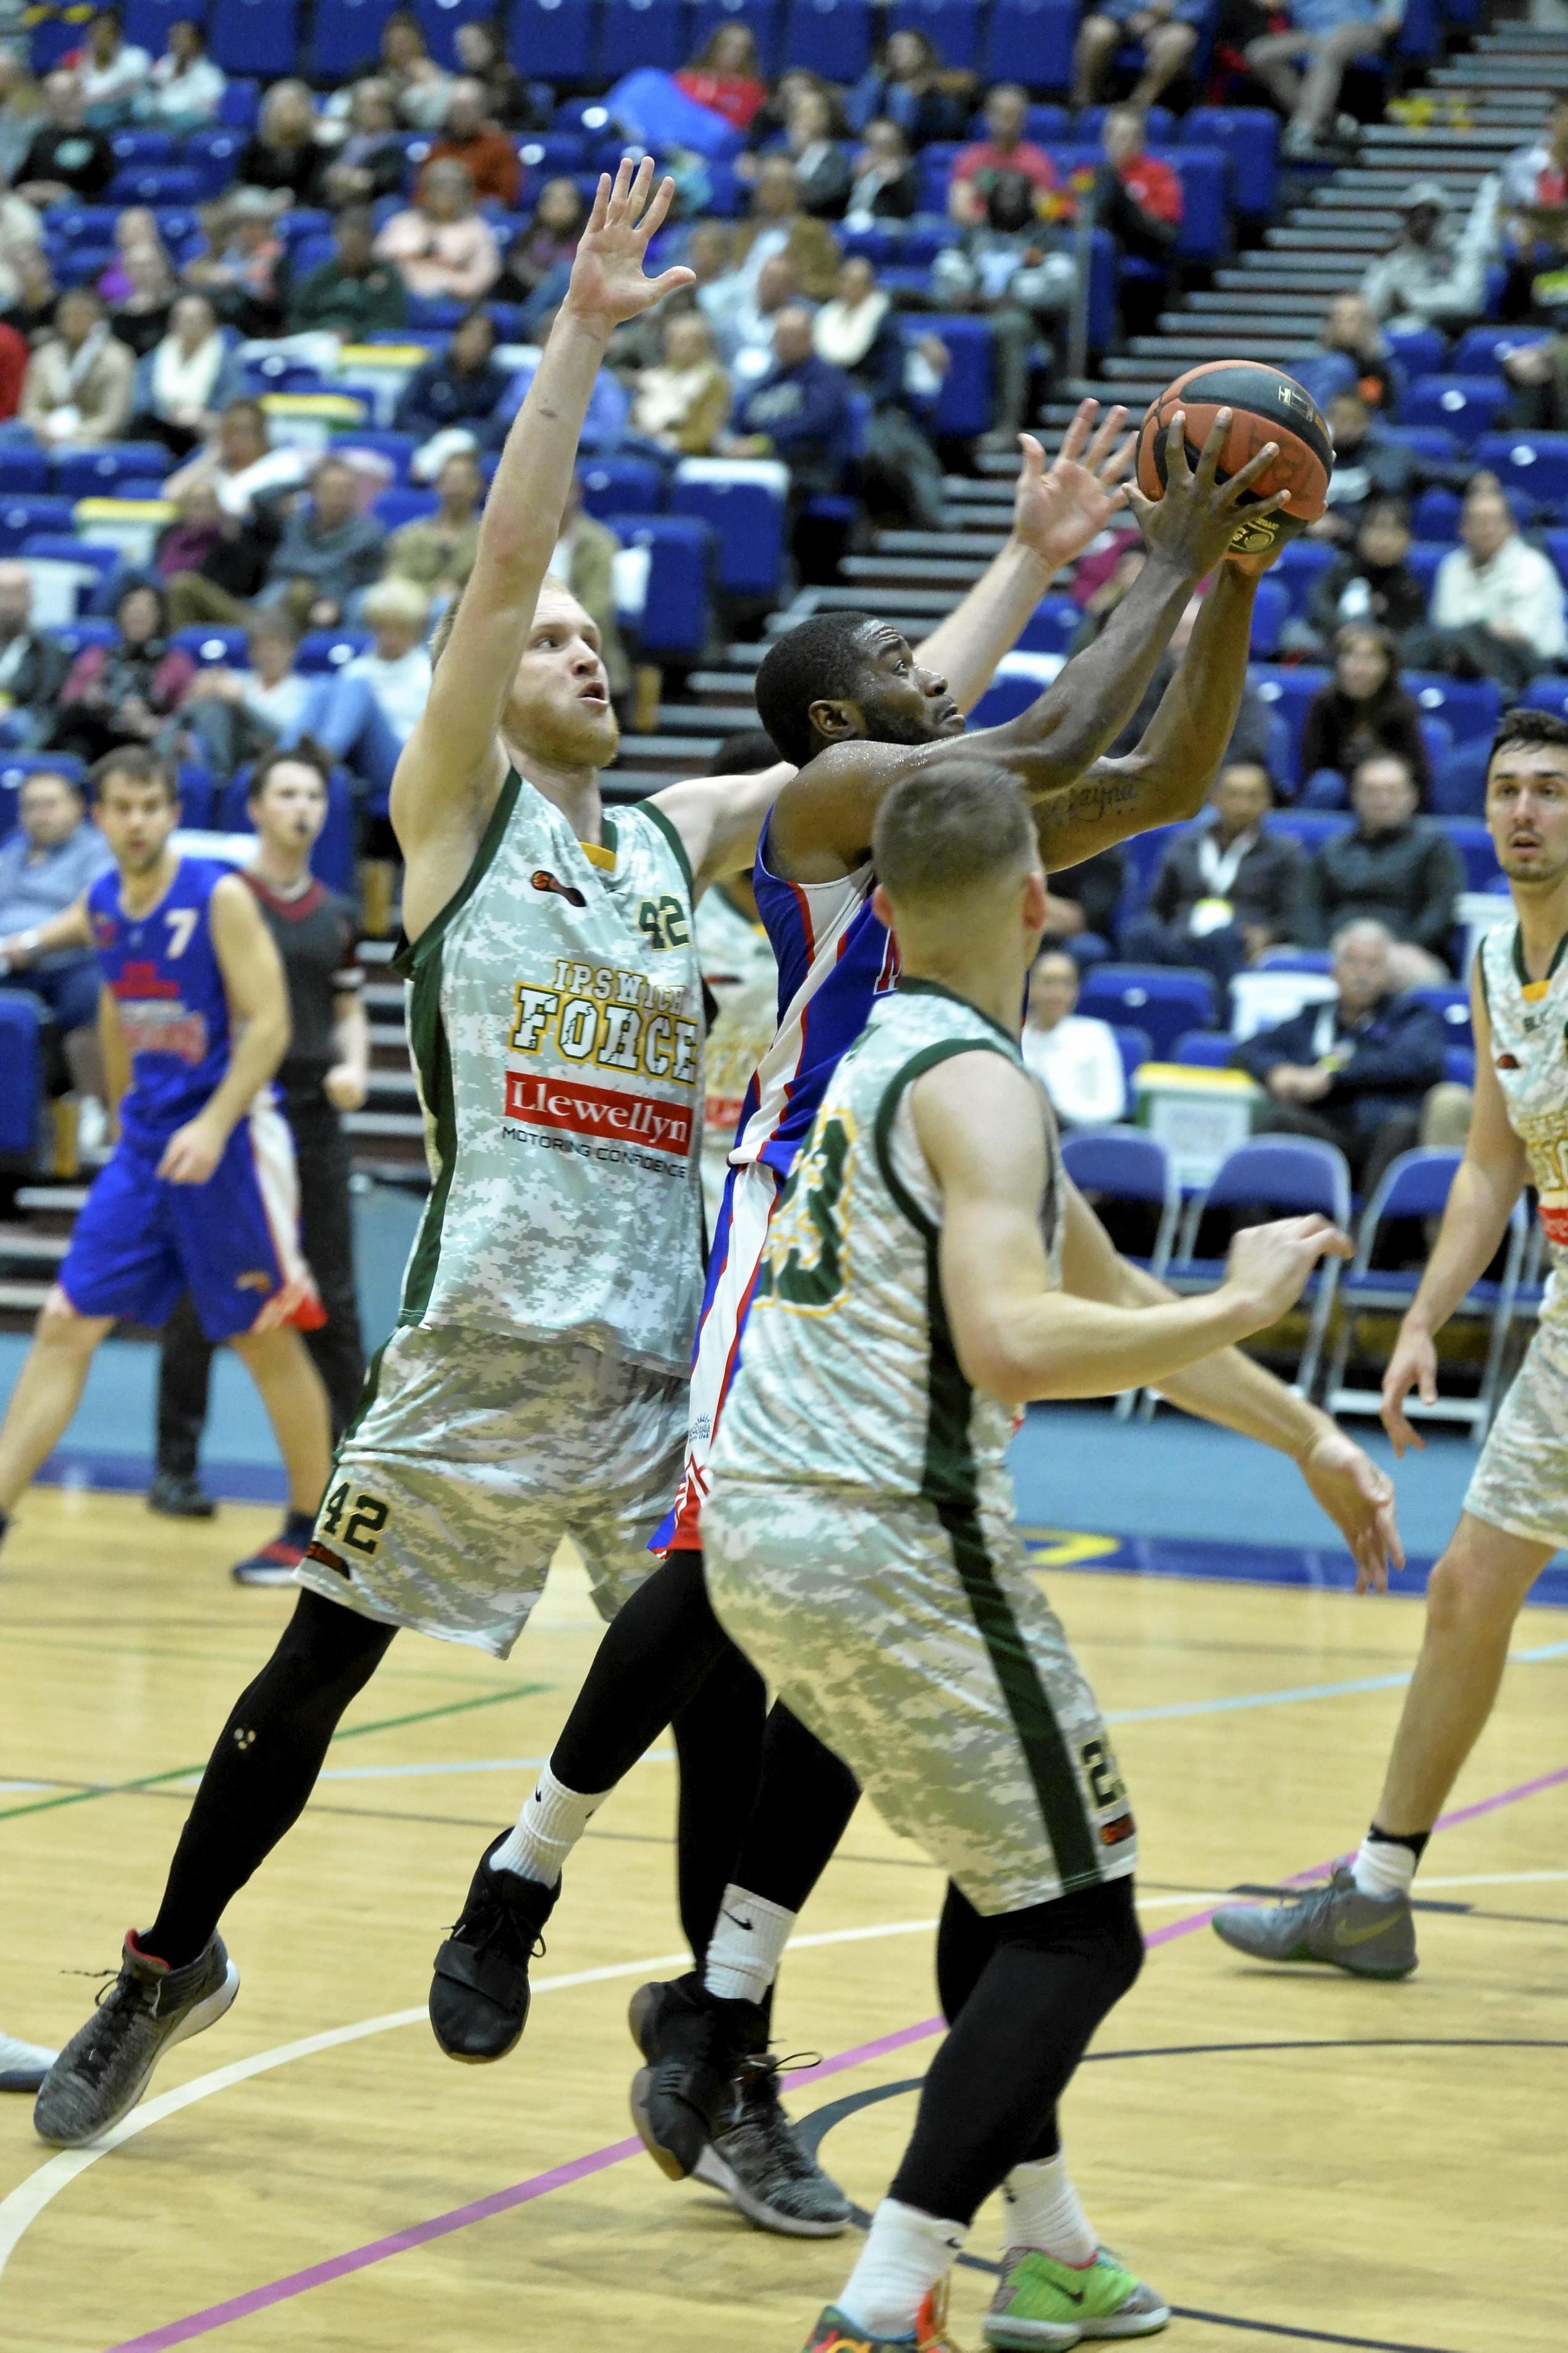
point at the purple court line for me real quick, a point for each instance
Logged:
(580, 2169)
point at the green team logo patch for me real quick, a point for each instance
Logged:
(807, 1261)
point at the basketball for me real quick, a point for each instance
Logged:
(1266, 406)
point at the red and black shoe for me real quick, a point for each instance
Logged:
(276, 1562)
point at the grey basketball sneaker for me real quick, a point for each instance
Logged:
(1370, 1935)
(763, 2168)
(103, 2070)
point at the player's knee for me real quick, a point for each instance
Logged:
(1464, 1596)
(62, 1330)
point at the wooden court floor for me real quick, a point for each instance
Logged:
(1293, 2158)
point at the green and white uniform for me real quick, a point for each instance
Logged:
(859, 1538)
(1521, 1482)
(536, 1384)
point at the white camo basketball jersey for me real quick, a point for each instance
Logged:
(1529, 1054)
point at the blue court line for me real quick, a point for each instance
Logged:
(1216, 1561)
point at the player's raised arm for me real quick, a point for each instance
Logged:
(258, 997)
(978, 1120)
(452, 767)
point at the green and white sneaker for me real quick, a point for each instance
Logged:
(1337, 1925)
(104, 2068)
(1041, 2301)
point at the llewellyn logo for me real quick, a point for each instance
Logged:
(543, 880)
(538, 1100)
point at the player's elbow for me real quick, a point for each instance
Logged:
(993, 1362)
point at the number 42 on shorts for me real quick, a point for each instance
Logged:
(366, 1517)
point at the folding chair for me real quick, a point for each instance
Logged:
(1291, 1176)
(1416, 1185)
(1125, 1165)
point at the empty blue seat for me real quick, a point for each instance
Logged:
(214, 646)
(396, 507)
(74, 635)
(1271, 611)
(22, 469)
(1031, 41)
(254, 36)
(147, 22)
(142, 147)
(1424, 556)
(747, 519)
(1050, 627)
(21, 517)
(21, 1064)
(1453, 1007)
(1472, 706)
(157, 184)
(1166, 1001)
(1309, 827)
(322, 652)
(953, 28)
(963, 405)
(1434, 443)
(762, 18)
(65, 547)
(1547, 694)
(1468, 406)
(1534, 463)
(642, 33)
(553, 39)
(1288, 692)
(622, 486)
(1204, 1049)
(1459, 786)
(1204, 175)
(108, 473)
(1481, 351)
(398, 447)
(347, 35)
(833, 38)
(1422, 350)
(1298, 564)
(674, 625)
(1251, 137)
(240, 104)
(1474, 844)
(214, 156)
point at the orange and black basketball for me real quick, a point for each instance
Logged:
(1266, 405)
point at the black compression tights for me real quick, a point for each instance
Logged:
(1023, 1993)
(264, 1766)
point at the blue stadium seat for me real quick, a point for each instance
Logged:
(762, 15)
(21, 1064)
(212, 155)
(74, 635)
(833, 38)
(1271, 611)
(1436, 514)
(963, 405)
(21, 517)
(214, 646)
(1204, 1049)
(1309, 827)
(553, 39)
(142, 147)
(1547, 694)
(332, 859)
(101, 473)
(1453, 1007)
(22, 469)
(147, 22)
(1299, 562)
(394, 507)
(156, 183)
(1433, 443)
(1424, 556)
(322, 652)
(933, 165)
(83, 224)
(1420, 32)
(1536, 463)
(1031, 41)
(1251, 137)
(1422, 350)
(254, 36)
(399, 448)
(1088, 126)
(65, 547)
(642, 33)
(240, 103)
(1459, 786)
(1166, 1001)
(953, 28)
(1468, 406)
(1205, 173)
(747, 519)
(347, 35)
(1481, 351)
(1288, 692)
(674, 625)
(1050, 627)
(439, 20)
(621, 486)
(1472, 706)
(1474, 844)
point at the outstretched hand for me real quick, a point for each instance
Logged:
(1359, 1499)
(1058, 512)
(1193, 524)
(608, 283)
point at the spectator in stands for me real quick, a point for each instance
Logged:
(283, 154)
(1357, 1070)
(1368, 464)
(726, 74)
(821, 159)
(435, 553)
(78, 391)
(858, 333)
(129, 693)
(136, 231)
(1227, 887)
(508, 98)
(718, 293)
(1303, 69)
(67, 161)
(1251, 736)
(418, 85)
(468, 136)
(370, 162)
(141, 314)
(330, 549)
(541, 254)
(1395, 866)
(883, 184)
(1166, 31)
(462, 386)
(31, 666)
(55, 854)
(439, 244)
(1372, 581)
(239, 466)
(585, 558)
(112, 73)
(1539, 373)
(185, 380)
(21, 112)
(799, 412)
(1139, 199)
(32, 313)
(754, 318)
(243, 268)
(353, 295)
(1003, 153)
(1431, 275)
(234, 715)
(1020, 273)
(777, 225)
(1081, 906)
(1362, 710)
(1496, 602)
(206, 548)
(1075, 1056)
(1355, 357)
(21, 236)
(185, 89)
(397, 669)
(683, 403)
(911, 87)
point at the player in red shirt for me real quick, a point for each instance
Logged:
(1139, 199)
(976, 168)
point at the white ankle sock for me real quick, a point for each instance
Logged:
(1385, 1867)
(747, 1946)
(1042, 2211)
(905, 2254)
(548, 1828)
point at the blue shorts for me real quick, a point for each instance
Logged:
(70, 991)
(233, 1243)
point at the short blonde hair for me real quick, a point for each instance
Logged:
(397, 600)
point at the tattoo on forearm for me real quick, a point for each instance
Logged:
(1088, 802)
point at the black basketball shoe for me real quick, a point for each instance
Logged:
(478, 1995)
